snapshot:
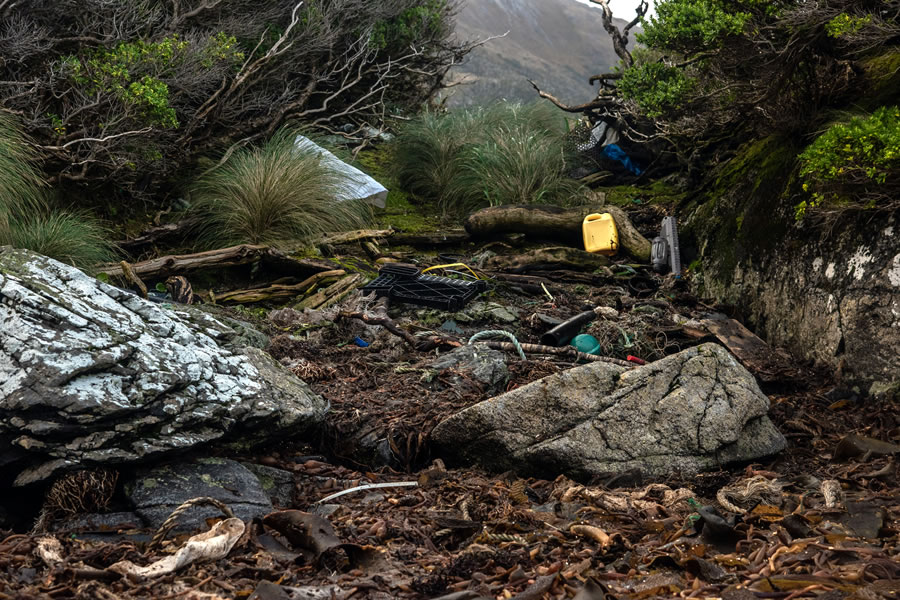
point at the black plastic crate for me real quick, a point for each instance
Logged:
(424, 290)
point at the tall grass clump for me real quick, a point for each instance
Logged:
(27, 219)
(501, 154)
(274, 194)
(516, 165)
(428, 152)
(75, 238)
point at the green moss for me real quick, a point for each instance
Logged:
(657, 192)
(402, 211)
(149, 483)
(882, 75)
(745, 209)
(265, 481)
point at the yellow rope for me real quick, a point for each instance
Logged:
(449, 265)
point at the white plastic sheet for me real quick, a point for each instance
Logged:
(361, 187)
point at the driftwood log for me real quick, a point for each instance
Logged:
(452, 237)
(332, 294)
(179, 264)
(276, 291)
(558, 257)
(556, 223)
(348, 237)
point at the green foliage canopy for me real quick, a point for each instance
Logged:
(854, 161)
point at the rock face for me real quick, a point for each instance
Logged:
(90, 374)
(688, 412)
(826, 291)
(156, 492)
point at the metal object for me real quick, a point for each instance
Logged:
(665, 251)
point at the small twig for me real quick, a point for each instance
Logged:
(370, 486)
(102, 139)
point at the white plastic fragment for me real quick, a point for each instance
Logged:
(210, 545)
(360, 186)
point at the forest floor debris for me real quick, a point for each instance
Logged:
(817, 521)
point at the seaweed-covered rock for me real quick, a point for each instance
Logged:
(91, 374)
(688, 412)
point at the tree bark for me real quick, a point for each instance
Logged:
(555, 223)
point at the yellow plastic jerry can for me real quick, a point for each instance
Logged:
(600, 235)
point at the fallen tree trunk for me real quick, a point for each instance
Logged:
(185, 263)
(179, 264)
(277, 291)
(547, 258)
(556, 223)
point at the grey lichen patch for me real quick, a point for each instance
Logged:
(83, 354)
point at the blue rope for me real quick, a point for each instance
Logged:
(500, 332)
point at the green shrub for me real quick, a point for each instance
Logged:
(26, 218)
(467, 159)
(274, 194)
(428, 152)
(856, 163)
(845, 24)
(691, 25)
(656, 88)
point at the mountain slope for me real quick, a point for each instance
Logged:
(557, 43)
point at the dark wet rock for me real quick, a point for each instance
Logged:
(689, 412)
(107, 522)
(853, 446)
(93, 375)
(278, 484)
(485, 365)
(156, 492)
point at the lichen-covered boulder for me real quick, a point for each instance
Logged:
(688, 412)
(155, 493)
(91, 374)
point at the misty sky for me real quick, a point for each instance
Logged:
(622, 9)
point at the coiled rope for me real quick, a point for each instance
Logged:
(499, 332)
(169, 523)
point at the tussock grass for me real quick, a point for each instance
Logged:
(27, 218)
(502, 154)
(274, 194)
(75, 238)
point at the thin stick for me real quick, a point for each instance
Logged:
(370, 486)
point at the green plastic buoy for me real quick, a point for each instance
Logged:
(586, 343)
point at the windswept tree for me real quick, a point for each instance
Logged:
(708, 72)
(125, 95)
